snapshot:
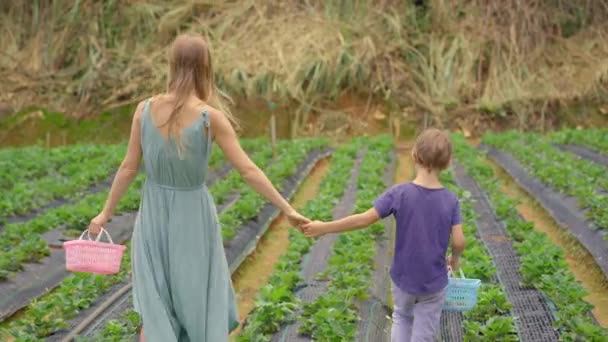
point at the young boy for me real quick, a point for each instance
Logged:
(426, 214)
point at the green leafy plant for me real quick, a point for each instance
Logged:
(542, 263)
(333, 315)
(596, 139)
(561, 170)
(270, 313)
(51, 312)
(22, 242)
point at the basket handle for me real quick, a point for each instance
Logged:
(451, 272)
(103, 231)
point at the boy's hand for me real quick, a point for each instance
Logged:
(314, 229)
(454, 263)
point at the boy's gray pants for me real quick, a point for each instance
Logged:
(416, 318)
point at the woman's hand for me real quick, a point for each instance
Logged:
(314, 229)
(97, 223)
(296, 219)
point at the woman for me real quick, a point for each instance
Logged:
(181, 282)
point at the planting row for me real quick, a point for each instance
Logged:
(490, 319)
(38, 278)
(68, 176)
(334, 314)
(21, 164)
(44, 316)
(542, 264)
(18, 292)
(22, 242)
(596, 139)
(563, 171)
(276, 303)
(67, 181)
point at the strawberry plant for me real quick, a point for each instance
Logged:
(21, 164)
(269, 312)
(490, 319)
(117, 330)
(21, 242)
(41, 318)
(596, 139)
(75, 175)
(563, 171)
(51, 313)
(542, 263)
(68, 182)
(333, 316)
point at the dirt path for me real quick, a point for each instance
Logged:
(253, 274)
(403, 174)
(405, 167)
(580, 262)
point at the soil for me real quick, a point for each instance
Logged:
(580, 262)
(405, 166)
(317, 258)
(565, 210)
(258, 267)
(533, 312)
(403, 174)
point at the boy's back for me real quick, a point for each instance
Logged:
(425, 218)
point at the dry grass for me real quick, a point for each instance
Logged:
(456, 58)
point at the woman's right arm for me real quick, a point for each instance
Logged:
(226, 138)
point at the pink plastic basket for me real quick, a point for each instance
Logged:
(93, 256)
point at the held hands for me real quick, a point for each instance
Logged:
(296, 219)
(309, 228)
(314, 229)
(97, 223)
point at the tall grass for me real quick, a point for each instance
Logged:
(452, 58)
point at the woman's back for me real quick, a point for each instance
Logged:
(175, 160)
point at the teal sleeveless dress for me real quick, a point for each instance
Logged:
(181, 281)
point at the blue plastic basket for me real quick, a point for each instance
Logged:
(461, 293)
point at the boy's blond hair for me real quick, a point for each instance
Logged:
(433, 149)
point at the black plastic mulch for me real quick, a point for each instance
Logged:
(564, 209)
(586, 153)
(375, 312)
(236, 250)
(530, 309)
(316, 259)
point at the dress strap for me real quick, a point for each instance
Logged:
(207, 124)
(144, 114)
(142, 125)
(147, 105)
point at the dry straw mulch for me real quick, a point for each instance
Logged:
(84, 56)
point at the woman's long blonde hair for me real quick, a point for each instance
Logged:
(191, 71)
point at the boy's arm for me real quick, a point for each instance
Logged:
(348, 223)
(458, 244)
(458, 241)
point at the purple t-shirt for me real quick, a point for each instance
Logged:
(424, 223)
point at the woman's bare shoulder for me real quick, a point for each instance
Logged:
(215, 114)
(139, 110)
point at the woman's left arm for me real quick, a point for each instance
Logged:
(126, 173)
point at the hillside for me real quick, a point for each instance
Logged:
(467, 64)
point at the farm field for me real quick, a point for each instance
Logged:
(535, 210)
